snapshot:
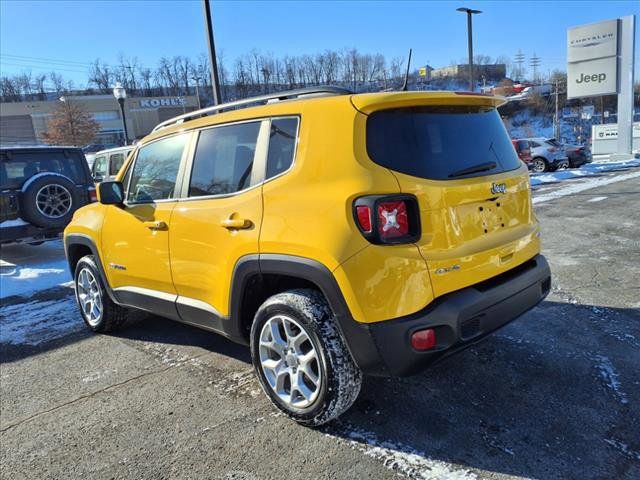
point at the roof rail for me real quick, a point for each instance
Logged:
(277, 96)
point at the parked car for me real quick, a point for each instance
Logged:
(40, 188)
(523, 149)
(577, 154)
(336, 234)
(546, 157)
(107, 163)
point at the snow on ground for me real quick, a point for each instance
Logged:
(33, 323)
(25, 269)
(401, 458)
(588, 184)
(588, 169)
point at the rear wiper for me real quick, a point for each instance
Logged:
(481, 167)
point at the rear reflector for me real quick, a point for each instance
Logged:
(423, 339)
(364, 218)
(93, 196)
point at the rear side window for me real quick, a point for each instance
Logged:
(155, 170)
(18, 167)
(116, 160)
(282, 145)
(223, 161)
(439, 142)
(100, 166)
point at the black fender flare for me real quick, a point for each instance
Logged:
(356, 335)
(86, 241)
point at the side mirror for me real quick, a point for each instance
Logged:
(111, 193)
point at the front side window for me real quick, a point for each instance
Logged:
(223, 159)
(282, 145)
(155, 170)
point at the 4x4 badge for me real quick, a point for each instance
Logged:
(498, 188)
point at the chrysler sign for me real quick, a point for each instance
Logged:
(592, 56)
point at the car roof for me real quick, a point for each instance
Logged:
(364, 102)
(114, 150)
(37, 147)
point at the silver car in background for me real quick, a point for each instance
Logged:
(546, 156)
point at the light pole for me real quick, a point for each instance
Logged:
(215, 83)
(470, 12)
(197, 80)
(121, 94)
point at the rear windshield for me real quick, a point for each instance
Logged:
(440, 142)
(17, 167)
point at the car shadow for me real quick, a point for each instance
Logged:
(553, 395)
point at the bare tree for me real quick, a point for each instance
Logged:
(69, 124)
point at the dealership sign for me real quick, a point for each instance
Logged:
(592, 56)
(161, 102)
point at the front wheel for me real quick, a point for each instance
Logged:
(98, 311)
(301, 359)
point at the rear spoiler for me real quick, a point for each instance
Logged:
(370, 102)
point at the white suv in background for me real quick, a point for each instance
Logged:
(107, 163)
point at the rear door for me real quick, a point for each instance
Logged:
(472, 190)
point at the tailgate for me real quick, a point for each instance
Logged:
(473, 229)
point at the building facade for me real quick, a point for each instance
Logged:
(25, 122)
(496, 71)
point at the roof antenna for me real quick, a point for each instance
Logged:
(406, 76)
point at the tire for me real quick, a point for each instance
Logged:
(309, 352)
(539, 165)
(49, 201)
(87, 281)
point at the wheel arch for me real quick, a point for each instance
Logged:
(294, 272)
(77, 246)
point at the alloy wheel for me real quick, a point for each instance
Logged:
(89, 296)
(290, 362)
(538, 166)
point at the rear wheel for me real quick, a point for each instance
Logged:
(539, 165)
(98, 311)
(301, 359)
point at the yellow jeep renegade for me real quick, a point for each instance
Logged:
(337, 234)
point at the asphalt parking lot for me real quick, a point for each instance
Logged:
(556, 394)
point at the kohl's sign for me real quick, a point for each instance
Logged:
(592, 60)
(162, 102)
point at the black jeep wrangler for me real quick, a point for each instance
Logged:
(40, 188)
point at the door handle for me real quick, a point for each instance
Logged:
(156, 225)
(237, 223)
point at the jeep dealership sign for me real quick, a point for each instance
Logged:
(592, 60)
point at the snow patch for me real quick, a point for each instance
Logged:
(580, 187)
(400, 458)
(610, 377)
(34, 323)
(589, 169)
(623, 448)
(18, 222)
(597, 199)
(27, 269)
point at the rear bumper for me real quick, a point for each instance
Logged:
(459, 319)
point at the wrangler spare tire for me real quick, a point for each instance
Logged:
(49, 200)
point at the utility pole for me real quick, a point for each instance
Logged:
(215, 83)
(519, 60)
(556, 118)
(469, 13)
(535, 63)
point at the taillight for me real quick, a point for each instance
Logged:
(363, 214)
(392, 219)
(386, 219)
(93, 195)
